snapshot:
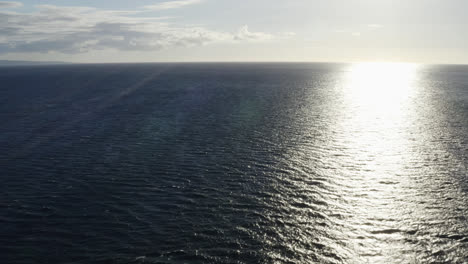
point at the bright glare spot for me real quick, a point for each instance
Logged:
(380, 87)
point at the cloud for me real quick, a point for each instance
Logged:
(172, 4)
(245, 34)
(9, 4)
(82, 29)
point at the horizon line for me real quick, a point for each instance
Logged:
(225, 62)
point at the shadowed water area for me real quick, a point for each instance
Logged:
(234, 163)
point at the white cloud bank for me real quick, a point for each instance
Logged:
(74, 30)
(9, 4)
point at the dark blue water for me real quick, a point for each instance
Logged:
(234, 163)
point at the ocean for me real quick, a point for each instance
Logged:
(234, 163)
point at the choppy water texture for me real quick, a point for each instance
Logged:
(234, 163)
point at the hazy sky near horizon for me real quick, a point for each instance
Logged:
(427, 31)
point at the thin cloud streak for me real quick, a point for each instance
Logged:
(172, 4)
(10, 4)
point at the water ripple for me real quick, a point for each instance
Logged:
(214, 163)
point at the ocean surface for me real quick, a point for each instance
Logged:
(234, 163)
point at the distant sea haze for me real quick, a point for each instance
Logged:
(234, 163)
(28, 63)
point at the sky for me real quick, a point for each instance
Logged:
(421, 31)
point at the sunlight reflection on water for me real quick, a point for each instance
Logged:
(373, 137)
